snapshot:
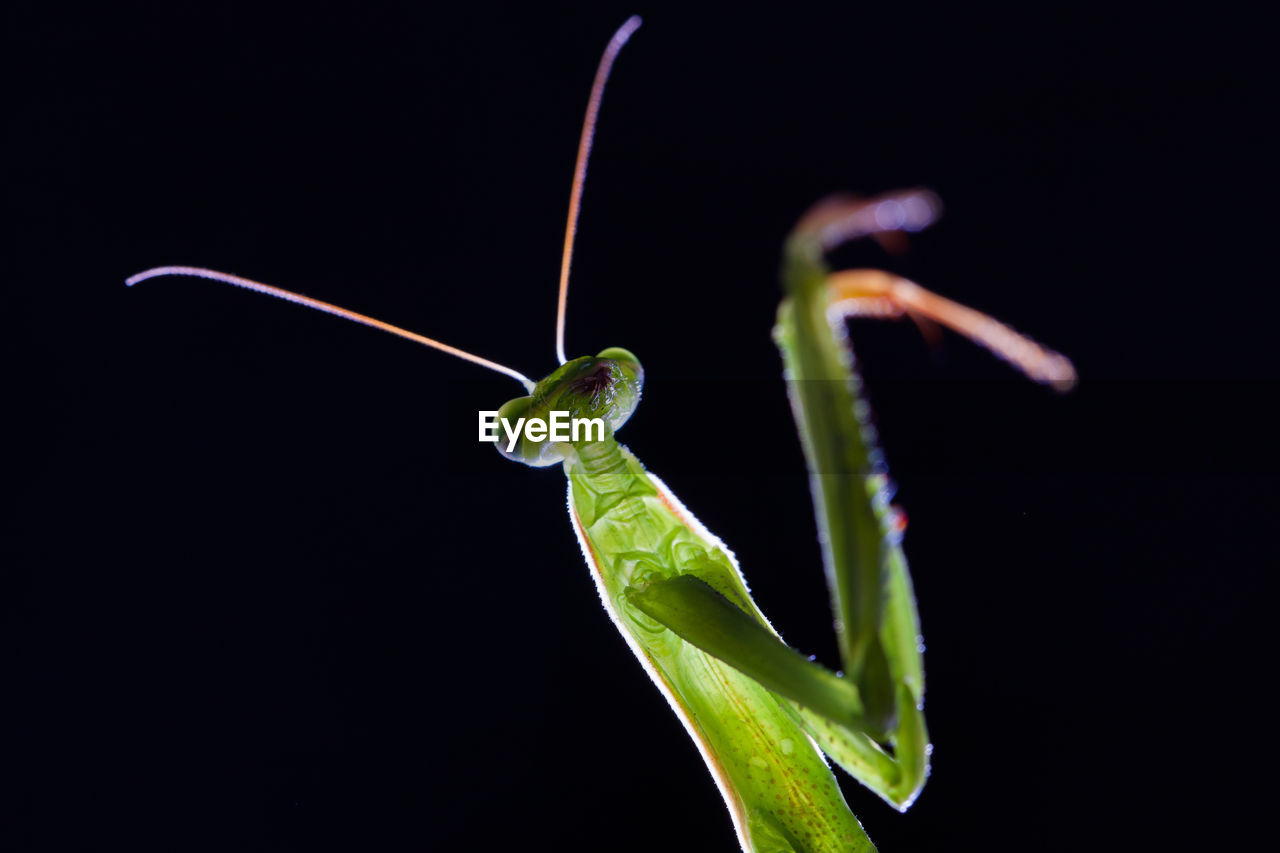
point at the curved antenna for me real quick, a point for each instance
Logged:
(580, 168)
(308, 302)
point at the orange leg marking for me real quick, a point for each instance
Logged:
(880, 294)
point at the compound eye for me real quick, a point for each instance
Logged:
(626, 361)
(537, 454)
(629, 382)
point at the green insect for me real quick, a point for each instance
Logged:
(761, 714)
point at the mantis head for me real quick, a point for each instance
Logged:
(605, 386)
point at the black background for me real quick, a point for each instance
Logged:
(264, 590)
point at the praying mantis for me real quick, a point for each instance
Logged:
(761, 715)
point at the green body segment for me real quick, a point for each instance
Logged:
(871, 594)
(781, 794)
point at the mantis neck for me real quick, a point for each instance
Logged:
(600, 462)
(607, 482)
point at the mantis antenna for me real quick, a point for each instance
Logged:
(307, 301)
(580, 168)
